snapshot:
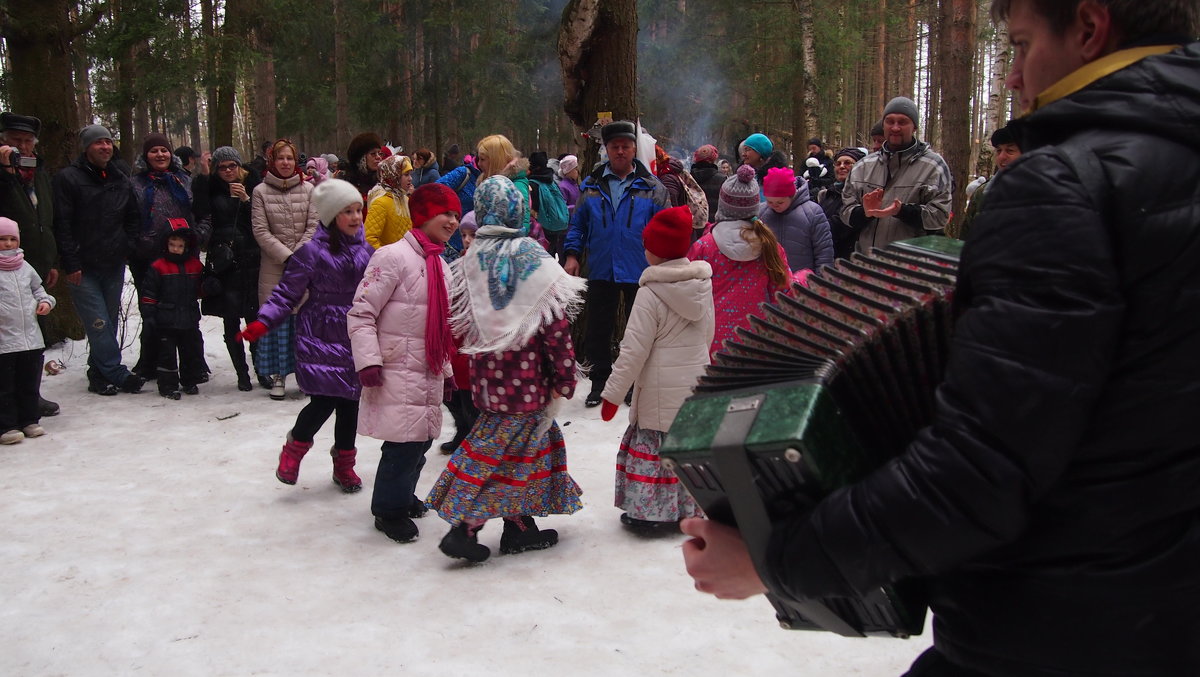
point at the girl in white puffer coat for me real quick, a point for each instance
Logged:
(22, 298)
(663, 352)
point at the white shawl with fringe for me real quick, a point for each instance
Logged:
(505, 289)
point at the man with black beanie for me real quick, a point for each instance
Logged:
(1004, 142)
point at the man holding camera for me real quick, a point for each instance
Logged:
(26, 197)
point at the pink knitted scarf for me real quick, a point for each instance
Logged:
(439, 342)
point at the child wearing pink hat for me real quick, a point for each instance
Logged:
(797, 221)
(22, 297)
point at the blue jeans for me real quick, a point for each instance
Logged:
(396, 480)
(97, 300)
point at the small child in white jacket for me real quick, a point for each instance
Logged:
(22, 298)
(664, 351)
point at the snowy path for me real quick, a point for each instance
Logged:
(145, 536)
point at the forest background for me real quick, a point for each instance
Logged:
(429, 74)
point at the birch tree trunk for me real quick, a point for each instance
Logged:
(805, 123)
(997, 94)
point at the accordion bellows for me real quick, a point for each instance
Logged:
(824, 385)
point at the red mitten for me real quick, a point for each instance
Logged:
(253, 331)
(607, 410)
(371, 377)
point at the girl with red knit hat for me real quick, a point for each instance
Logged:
(400, 336)
(664, 350)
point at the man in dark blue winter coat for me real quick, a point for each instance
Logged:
(616, 202)
(1052, 509)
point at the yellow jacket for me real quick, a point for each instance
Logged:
(385, 223)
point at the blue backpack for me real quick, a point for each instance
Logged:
(552, 207)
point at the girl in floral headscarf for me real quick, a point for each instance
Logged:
(511, 305)
(388, 217)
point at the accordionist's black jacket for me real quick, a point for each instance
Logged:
(1053, 507)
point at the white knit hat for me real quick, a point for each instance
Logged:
(332, 196)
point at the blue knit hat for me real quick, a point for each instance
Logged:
(760, 144)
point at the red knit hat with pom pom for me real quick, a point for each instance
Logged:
(669, 233)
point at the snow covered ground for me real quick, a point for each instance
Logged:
(146, 536)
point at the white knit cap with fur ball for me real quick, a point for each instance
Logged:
(332, 196)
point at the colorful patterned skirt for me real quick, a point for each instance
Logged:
(276, 352)
(645, 489)
(503, 469)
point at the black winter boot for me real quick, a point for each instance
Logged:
(461, 543)
(521, 534)
(237, 355)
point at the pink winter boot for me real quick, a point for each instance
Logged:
(343, 470)
(289, 460)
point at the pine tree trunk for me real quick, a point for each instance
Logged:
(208, 33)
(958, 62)
(933, 88)
(597, 49)
(262, 101)
(38, 35)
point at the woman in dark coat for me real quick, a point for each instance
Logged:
(231, 269)
(163, 191)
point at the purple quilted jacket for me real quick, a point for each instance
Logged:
(324, 365)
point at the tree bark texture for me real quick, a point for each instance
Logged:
(958, 62)
(597, 48)
(38, 34)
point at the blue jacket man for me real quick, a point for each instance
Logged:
(616, 202)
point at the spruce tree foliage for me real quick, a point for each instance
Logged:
(428, 74)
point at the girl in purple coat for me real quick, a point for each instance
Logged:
(328, 268)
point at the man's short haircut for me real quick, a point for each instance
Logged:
(1133, 19)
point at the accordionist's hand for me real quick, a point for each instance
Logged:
(717, 559)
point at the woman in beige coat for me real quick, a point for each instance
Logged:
(283, 218)
(664, 350)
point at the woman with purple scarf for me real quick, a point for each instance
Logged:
(164, 192)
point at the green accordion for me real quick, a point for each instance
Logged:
(818, 389)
